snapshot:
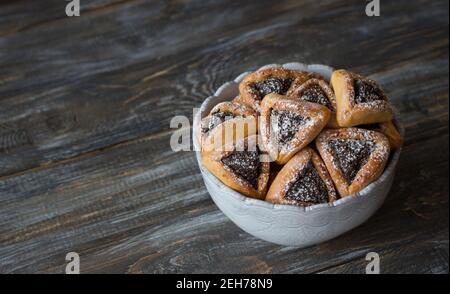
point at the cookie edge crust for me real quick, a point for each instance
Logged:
(350, 114)
(278, 188)
(369, 172)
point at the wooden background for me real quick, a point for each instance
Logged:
(85, 106)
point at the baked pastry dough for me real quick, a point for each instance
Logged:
(316, 91)
(389, 130)
(303, 181)
(359, 100)
(238, 99)
(226, 121)
(257, 144)
(354, 157)
(255, 86)
(287, 125)
(241, 166)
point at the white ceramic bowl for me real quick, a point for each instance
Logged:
(286, 224)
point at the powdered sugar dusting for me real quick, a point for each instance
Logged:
(271, 85)
(351, 155)
(294, 125)
(315, 94)
(304, 133)
(245, 164)
(307, 188)
(286, 124)
(216, 119)
(366, 92)
(379, 150)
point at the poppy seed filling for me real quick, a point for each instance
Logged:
(350, 155)
(308, 187)
(316, 94)
(366, 92)
(245, 164)
(271, 85)
(216, 119)
(286, 124)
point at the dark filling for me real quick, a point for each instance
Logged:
(215, 120)
(351, 155)
(245, 164)
(315, 94)
(286, 124)
(271, 85)
(375, 126)
(308, 187)
(366, 92)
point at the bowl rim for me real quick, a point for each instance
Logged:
(251, 202)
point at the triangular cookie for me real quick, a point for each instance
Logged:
(227, 120)
(315, 91)
(359, 100)
(354, 157)
(241, 165)
(288, 125)
(303, 181)
(255, 86)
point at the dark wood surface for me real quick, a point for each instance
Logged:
(85, 106)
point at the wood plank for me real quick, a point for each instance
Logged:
(423, 257)
(85, 163)
(20, 15)
(138, 207)
(117, 81)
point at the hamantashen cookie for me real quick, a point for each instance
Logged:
(359, 100)
(316, 91)
(241, 166)
(303, 181)
(287, 125)
(389, 130)
(255, 86)
(226, 121)
(354, 157)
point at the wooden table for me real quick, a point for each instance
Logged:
(85, 110)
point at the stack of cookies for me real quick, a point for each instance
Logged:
(291, 137)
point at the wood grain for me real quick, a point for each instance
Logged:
(152, 214)
(85, 106)
(426, 257)
(49, 94)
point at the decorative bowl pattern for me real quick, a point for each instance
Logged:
(285, 224)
